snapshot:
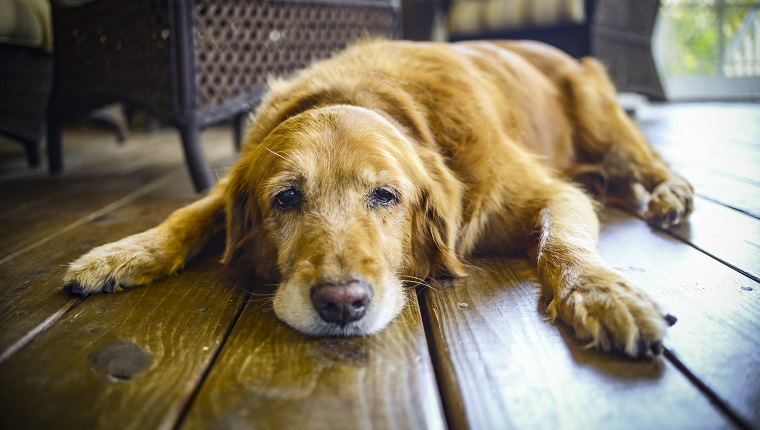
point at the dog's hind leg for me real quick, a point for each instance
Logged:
(599, 303)
(606, 136)
(144, 257)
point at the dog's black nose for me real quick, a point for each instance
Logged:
(341, 303)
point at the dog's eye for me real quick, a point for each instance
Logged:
(287, 199)
(382, 197)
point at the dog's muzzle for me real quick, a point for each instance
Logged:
(341, 303)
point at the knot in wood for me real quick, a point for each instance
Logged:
(120, 361)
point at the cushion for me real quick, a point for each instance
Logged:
(26, 23)
(472, 16)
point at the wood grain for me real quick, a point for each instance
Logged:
(93, 153)
(723, 165)
(718, 331)
(32, 283)
(502, 365)
(711, 139)
(112, 358)
(728, 235)
(46, 210)
(269, 376)
(129, 360)
(734, 124)
(734, 194)
(32, 279)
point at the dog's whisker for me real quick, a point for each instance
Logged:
(276, 154)
(477, 268)
(262, 304)
(261, 294)
(249, 291)
(417, 282)
(270, 285)
(221, 172)
(413, 279)
(437, 288)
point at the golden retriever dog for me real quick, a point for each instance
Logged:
(396, 161)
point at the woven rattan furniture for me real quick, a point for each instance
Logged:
(193, 63)
(26, 72)
(622, 39)
(26, 75)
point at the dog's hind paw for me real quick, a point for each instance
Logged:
(611, 314)
(136, 260)
(669, 204)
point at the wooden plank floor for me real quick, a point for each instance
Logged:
(203, 349)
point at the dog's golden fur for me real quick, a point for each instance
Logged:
(405, 158)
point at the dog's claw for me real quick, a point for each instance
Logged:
(108, 287)
(657, 348)
(667, 220)
(646, 349)
(671, 219)
(642, 348)
(74, 289)
(689, 203)
(670, 319)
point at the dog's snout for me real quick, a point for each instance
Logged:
(341, 303)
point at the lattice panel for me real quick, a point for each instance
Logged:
(126, 42)
(25, 80)
(239, 43)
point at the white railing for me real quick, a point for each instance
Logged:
(742, 55)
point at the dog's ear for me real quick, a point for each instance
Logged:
(243, 217)
(436, 224)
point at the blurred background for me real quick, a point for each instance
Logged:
(709, 48)
(145, 64)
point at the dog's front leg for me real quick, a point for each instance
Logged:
(607, 132)
(144, 257)
(601, 305)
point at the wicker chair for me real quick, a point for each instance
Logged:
(26, 75)
(193, 63)
(622, 39)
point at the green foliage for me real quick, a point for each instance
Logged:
(695, 40)
(694, 30)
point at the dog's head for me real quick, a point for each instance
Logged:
(340, 208)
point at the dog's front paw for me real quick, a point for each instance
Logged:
(132, 261)
(613, 315)
(669, 204)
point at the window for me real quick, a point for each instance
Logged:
(709, 48)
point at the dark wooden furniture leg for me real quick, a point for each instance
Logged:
(197, 165)
(32, 151)
(240, 123)
(55, 147)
